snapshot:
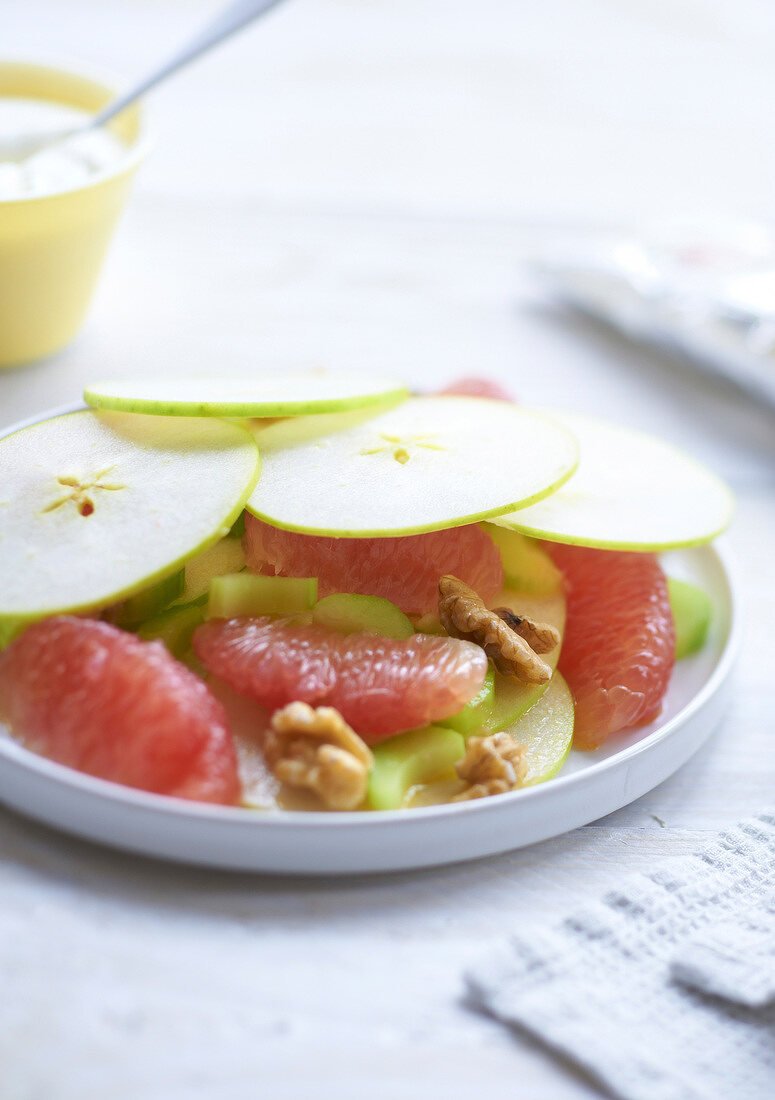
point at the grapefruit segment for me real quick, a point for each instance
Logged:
(96, 698)
(619, 643)
(476, 387)
(380, 686)
(404, 570)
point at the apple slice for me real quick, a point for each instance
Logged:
(512, 698)
(97, 506)
(546, 731)
(526, 566)
(294, 393)
(631, 491)
(533, 588)
(427, 464)
(245, 594)
(222, 557)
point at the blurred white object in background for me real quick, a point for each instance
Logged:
(705, 291)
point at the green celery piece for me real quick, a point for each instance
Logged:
(350, 613)
(418, 756)
(692, 613)
(477, 711)
(175, 627)
(150, 601)
(247, 594)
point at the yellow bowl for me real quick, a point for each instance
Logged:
(52, 246)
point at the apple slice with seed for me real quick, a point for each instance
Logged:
(95, 507)
(427, 464)
(283, 393)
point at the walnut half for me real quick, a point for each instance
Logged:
(491, 765)
(541, 637)
(463, 614)
(315, 748)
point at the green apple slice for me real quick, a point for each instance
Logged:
(222, 557)
(426, 464)
(631, 491)
(546, 731)
(293, 393)
(97, 506)
(526, 566)
(511, 698)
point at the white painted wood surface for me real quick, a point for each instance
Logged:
(354, 184)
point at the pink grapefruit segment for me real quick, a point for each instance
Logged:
(93, 697)
(618, 649)
(404, 569)
(477, 387)
(381, 686)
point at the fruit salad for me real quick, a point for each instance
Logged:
(320, 592)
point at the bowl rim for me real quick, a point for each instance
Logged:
(135, 153)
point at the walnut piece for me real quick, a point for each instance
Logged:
(464, 615)
(541, 637)
(315, 748)
(491, 765)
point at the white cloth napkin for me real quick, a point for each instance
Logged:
(665, 988)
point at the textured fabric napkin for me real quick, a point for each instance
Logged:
(665, 988)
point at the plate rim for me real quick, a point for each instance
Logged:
(256, 818)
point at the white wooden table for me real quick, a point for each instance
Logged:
(353, 184)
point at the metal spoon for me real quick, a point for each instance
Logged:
(233, 18)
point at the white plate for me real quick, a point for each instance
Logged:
(590, 786)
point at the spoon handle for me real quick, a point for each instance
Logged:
(230, 20)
